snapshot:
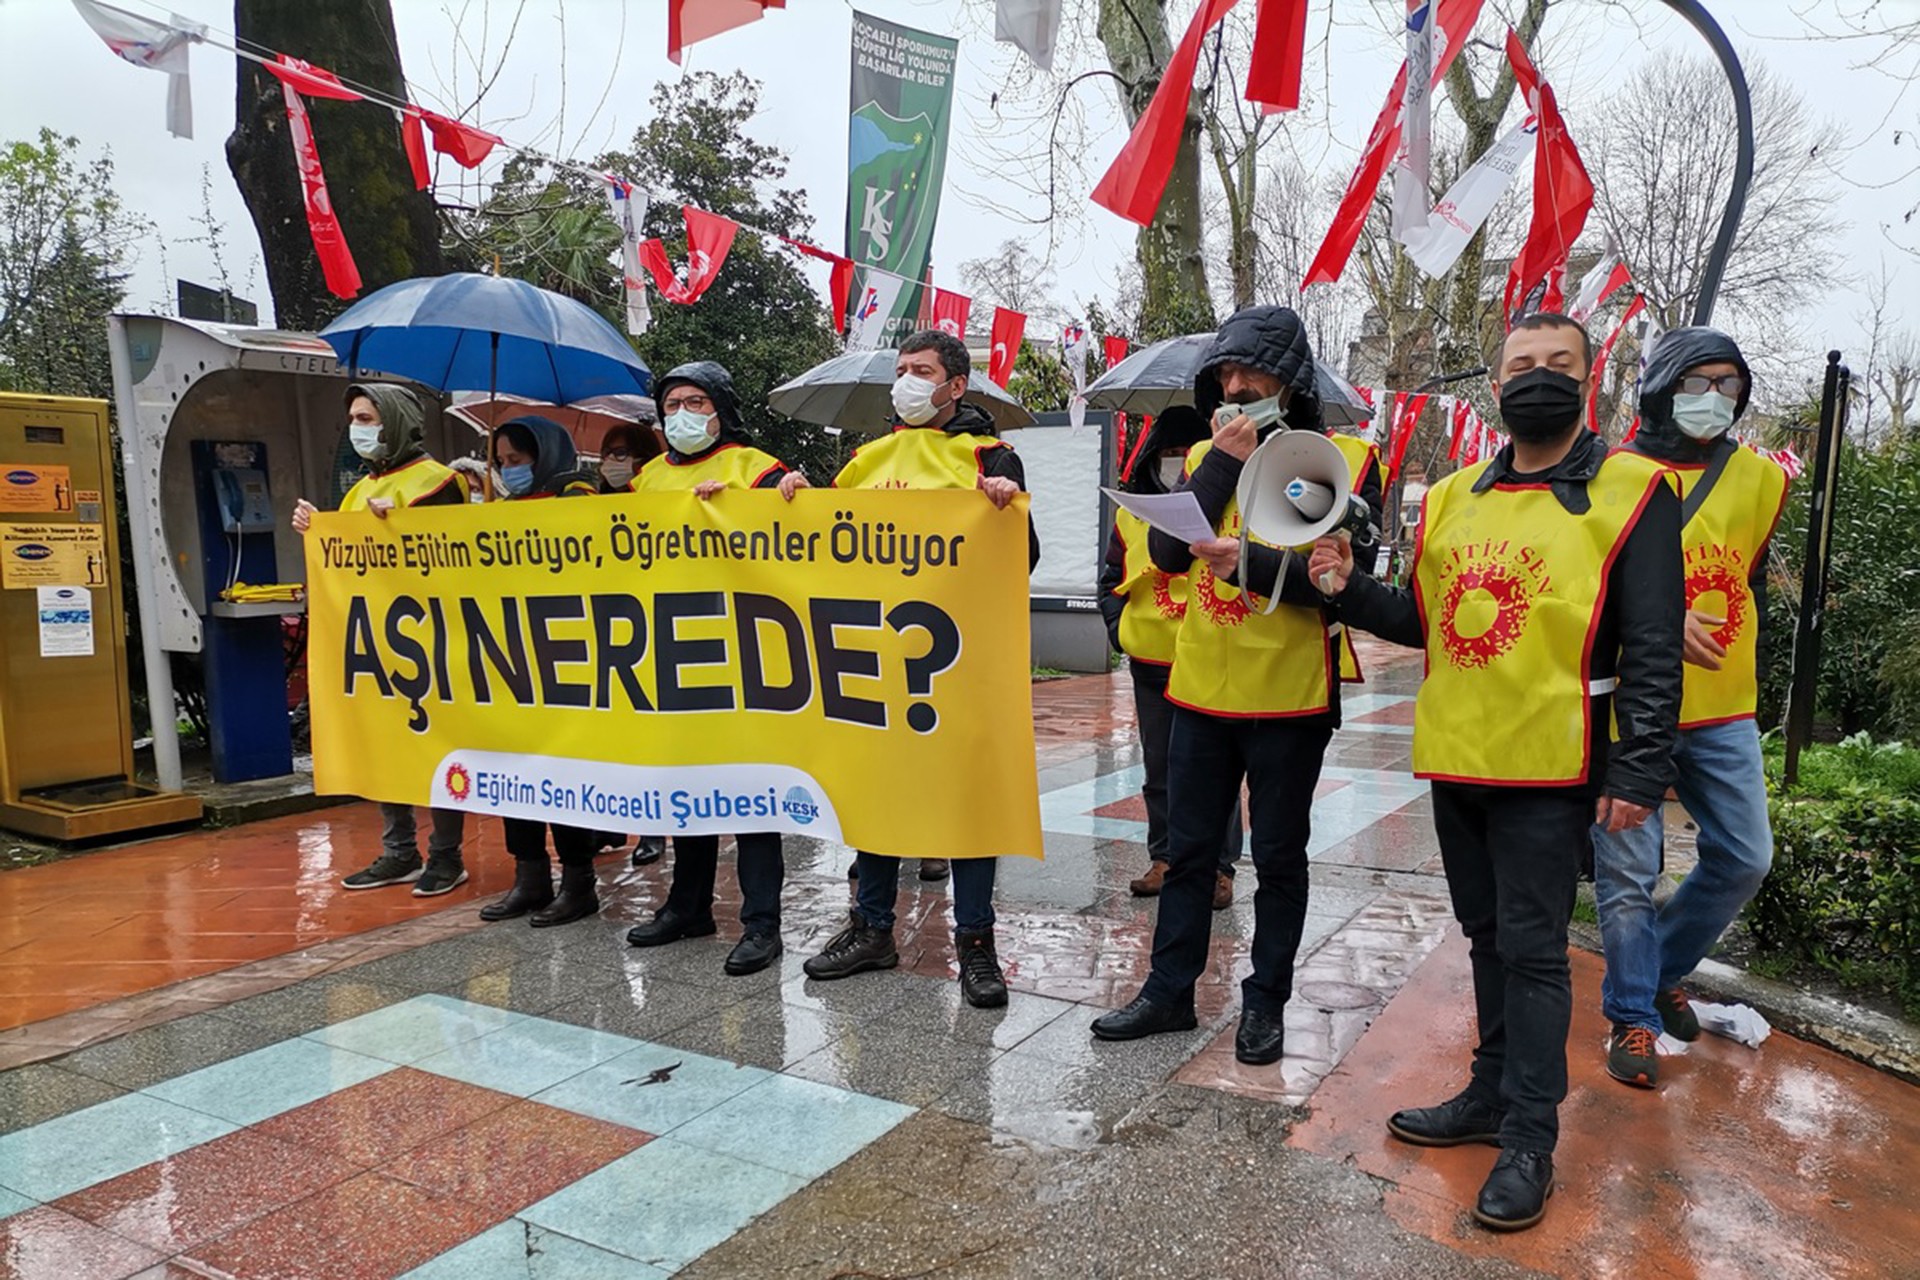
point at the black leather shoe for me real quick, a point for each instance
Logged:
(855, 949)
(753, 953)
(667, 926)
(650, 850)
(532, 890)
(1514, 1196)
(1143, 1018)
(1455, 1121)
(934, 869)
(578, 899)
(1261, 1039)
(981, 981)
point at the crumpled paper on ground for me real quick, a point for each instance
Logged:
(1734, 1021)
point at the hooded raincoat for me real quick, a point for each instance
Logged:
(403, 474)
(731, 457)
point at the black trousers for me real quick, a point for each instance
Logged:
(1153, 715)
(527, 839)
(1210, 755)
(696, 860)
(1512, 856)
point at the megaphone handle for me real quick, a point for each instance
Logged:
(1273, 601)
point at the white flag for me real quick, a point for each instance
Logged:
(868, 329)
(1608, 275)
(1468, 202)
(1033, 25)
(1412, 170)
(158, 46)
(1073, 358)
(629, 207)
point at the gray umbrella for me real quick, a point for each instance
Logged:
(1155, 378)
(854, 391)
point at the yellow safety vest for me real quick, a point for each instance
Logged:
(1230, 659)
(404, 486)
(1721, 543)
(1359, 455)
(738, 466)
(1156, 600)
(1510, 585)
(919, 458)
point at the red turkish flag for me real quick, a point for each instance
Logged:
(1562, 192)
(839, 281)
(315, 82)
(1137, 178)
(950, 312)
(1279, 51)
(329, 241)
(1456, 19)
(1114, 349)
(1406, 416)
(689, 21)
(414, 138)
(1008, 326)
(467, 145)
(1638, 305)
(709, 236)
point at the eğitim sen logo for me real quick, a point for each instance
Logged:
(32, 551)
(459, 781)
(800, 805)
(23, 478)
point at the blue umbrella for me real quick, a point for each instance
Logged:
(470, 331)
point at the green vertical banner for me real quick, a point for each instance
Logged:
(896, 155)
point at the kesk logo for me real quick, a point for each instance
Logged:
(32, 551)
(23, 477)
(800, 805)
(1484, 612)
(459, 781)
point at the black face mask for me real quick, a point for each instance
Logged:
(1540, 405)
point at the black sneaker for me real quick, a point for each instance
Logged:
(443, 875)
(388, 868)
(1632, 1057)
(855, 949)
(1676, 1015)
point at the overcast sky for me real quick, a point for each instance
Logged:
(609, 55)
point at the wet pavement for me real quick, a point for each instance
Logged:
(224, 1065)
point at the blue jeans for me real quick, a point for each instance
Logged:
(1723, 786)
(879, 885)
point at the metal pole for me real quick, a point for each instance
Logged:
(143, 523)
(1695, 12)
(1803, 689)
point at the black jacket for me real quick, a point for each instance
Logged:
(1180, 427)
(1638, 640)
(971, 420)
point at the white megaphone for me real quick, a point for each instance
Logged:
(1295, 489)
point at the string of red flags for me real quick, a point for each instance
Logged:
(628, 205)
(1279, 53)
(157, 46)
(1008, 328)
(709, 237)
(1562, 191)
(1455, 19)
(337, 267)
(1114, 349)
(839, 279)
(1638, 305)
(690, 21)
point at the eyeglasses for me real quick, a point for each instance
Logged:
(617, 451)
(697, 403)
(1727, 384)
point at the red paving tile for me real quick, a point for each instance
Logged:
(1788, 1162)
(46, 1244)
(369, 1228)
(515, 1156)
(206, 1191)
(379, 1119)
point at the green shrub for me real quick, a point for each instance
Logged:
(1844, 892)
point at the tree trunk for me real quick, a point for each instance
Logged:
(1173, 268)
(392, 229)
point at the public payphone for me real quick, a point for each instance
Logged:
(66, 723)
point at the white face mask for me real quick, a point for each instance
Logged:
(1171, 470)
(617, 471)
(1703, 417)
(687, 431)
(365, 438)
(1263, 412)
(913, 399)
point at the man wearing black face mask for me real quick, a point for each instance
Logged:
(1548, 597)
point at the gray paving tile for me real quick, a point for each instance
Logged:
(646, 1008)
(1068, 1043)
(438, 965)
(318, 1002)
(761, 1031)
(1035, 1098)
(897, 1063)
(534, 984)
(935, 1008)
(41, 1091)
(144, 1058)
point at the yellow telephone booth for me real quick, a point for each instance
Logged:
(66, 725)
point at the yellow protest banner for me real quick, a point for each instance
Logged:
(853, 666)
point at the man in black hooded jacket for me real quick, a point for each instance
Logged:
(1143, 606)
(1256, 693)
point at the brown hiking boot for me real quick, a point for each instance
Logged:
(1148, 885)
(1222, 891)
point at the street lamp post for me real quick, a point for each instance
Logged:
(1696, 13)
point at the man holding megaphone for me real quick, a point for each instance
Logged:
(1547, 593)
(1255, 680)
